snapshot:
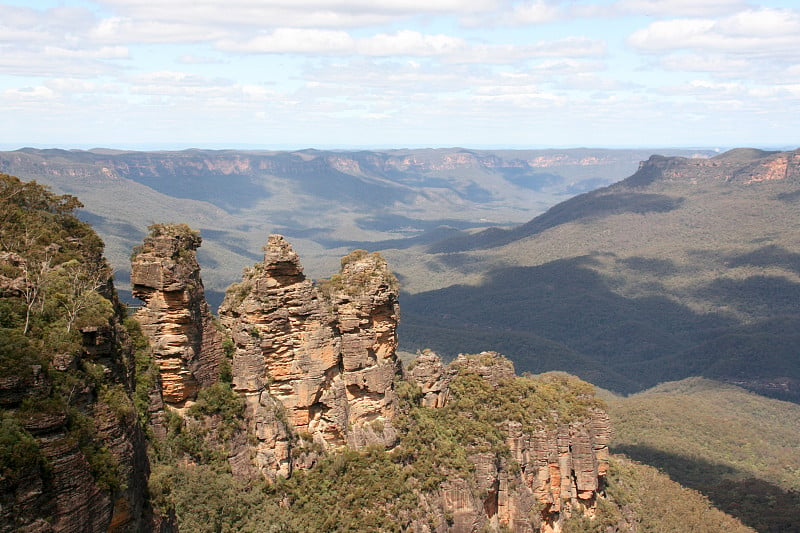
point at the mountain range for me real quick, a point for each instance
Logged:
(689, 267)
(291, 410)
(327, 202)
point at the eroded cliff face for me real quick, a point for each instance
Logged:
(545, 472)
(742, 166)
(92, 469)
(85, 467)
(175, 317)
(72, 454)
(313, 362)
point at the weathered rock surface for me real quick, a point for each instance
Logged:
(325, 354)
(428, 372)
(549, 474)
(176, 318)
(66, 495)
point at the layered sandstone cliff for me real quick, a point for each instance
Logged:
(72, 454)
(545, 470)
(175, 317)
(91, 468)
(320, 358)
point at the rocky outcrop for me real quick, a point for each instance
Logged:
(550, 471)
(82, 471)
(428, 373)
(320, 357)
(175, 317)
(742, 166)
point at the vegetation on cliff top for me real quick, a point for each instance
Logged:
(187, 239)
(56, 302)
(360, 272)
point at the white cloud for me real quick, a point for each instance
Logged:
(105, 52)
(129, 30)
(411, 43)
(191, 59)
(710, 63)
(29, 94)
(61, 24)
(764, 32)
(400, 81)
(536, 12)
(293, 41)
(735, 90)
(762, 23)
(678, 8)
(346, 6)
(340, 66)
(293, 13)
(176, 79)
(53, 42)
(65, 86)
(33, 62)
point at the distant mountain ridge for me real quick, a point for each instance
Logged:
(687, 267)
(327, 201)
(741, 166)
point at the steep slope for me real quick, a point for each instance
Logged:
(72, 454)
(688, 267)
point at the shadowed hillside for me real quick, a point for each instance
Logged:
(688, 267)
(738, 448)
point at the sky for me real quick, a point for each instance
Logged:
(173, 74)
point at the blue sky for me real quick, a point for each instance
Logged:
(399, 73)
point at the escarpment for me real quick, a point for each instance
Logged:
(537, 448)
(72, 454)
(481, 448)
(175, 317)
(326, 354)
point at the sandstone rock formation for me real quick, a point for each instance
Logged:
(428, 372)
(176, 318)
(91, 477)
(549, 473)
(320, 357)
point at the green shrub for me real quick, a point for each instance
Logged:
(19, 451)
(218, 399)
(145, 370)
